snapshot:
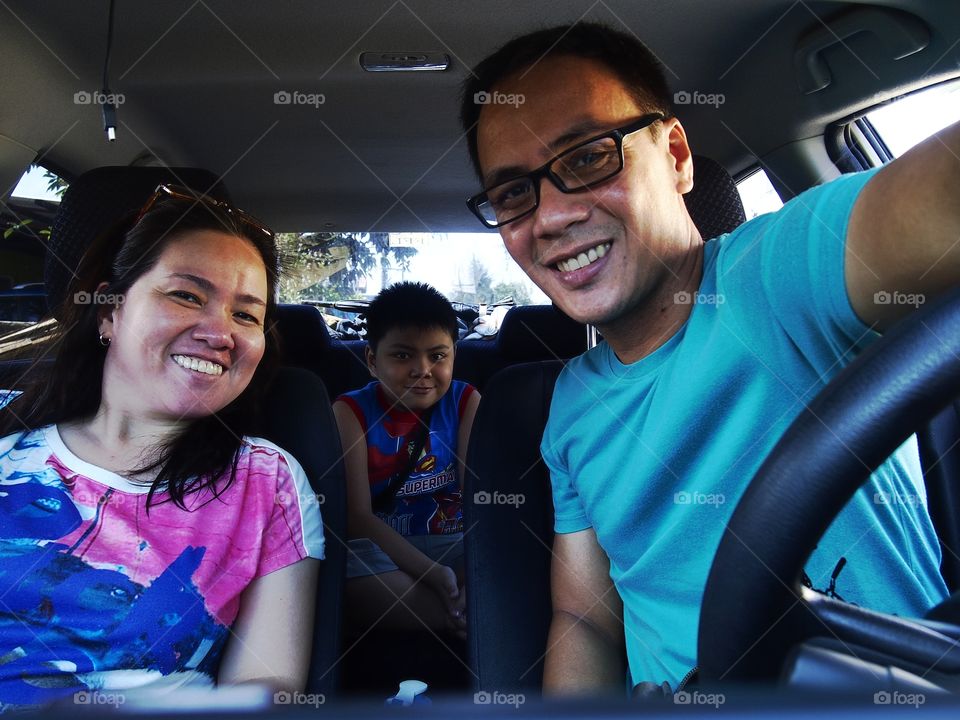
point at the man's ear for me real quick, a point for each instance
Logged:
(105, 312)
(682, 154)
(371, 357)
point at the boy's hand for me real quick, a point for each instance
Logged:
(443, 580)
(458, 622)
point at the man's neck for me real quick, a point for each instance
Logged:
(653, 323)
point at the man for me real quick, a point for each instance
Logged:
(654, 434)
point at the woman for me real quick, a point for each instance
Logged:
(145, 538)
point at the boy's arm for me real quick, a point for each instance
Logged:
(362, 523)
(904, 232)
(463, 433)
(586, 652)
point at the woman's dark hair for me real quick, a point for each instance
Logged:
(409, 305)
(624, 55)
(70, 388)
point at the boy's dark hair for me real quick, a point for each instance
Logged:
(626, 57)
(409, 305)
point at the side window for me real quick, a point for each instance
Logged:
(757, 194)
(39, 183)
(25, 220)
(909, 120)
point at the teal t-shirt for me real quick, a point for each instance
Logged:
(655, 455)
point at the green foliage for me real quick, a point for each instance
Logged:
(516, 290)
(24, 226)
(55, 184)
(335, 266)
(479, 288)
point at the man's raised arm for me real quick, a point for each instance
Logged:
(904, 233)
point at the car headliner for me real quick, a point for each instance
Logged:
(385, 151)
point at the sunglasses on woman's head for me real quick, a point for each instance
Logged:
(178, 192)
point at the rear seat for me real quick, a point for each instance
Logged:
(307, 343)
(528, 333)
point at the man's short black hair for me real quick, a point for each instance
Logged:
(626, 57)
(409, 305)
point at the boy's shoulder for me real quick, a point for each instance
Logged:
(460, 391)
(368, 388)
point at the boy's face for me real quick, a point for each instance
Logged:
(415, 366)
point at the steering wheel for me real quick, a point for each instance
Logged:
(755, 610)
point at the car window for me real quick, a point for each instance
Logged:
(913, 118)
(39, 183)
(757, 194)
(469, 268)
(25, 221)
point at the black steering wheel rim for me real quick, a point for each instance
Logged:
(825, 456)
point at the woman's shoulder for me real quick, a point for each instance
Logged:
(260, 454)
(24, 440)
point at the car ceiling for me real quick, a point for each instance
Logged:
(385, 151)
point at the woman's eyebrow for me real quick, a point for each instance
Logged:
(205, 284)
(195, 279)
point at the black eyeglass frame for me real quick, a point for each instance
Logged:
(544, 171)
(179, 192)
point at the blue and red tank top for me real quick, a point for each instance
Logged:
(430, 501)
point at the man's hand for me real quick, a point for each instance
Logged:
(903, 241)
(585, 647)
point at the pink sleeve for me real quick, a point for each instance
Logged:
(294, 530)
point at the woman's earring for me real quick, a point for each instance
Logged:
(104, 340)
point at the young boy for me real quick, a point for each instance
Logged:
(404, 442)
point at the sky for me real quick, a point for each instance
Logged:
(444, 261)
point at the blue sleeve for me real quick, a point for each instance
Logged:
(568, 513)
(792, 264)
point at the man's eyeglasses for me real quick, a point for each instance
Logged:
(178, 192)
(577, 168)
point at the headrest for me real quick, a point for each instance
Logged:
(714, 203)
(97, 200)
(303, 334)
(537, 332)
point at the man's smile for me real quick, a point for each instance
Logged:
(583, 258)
